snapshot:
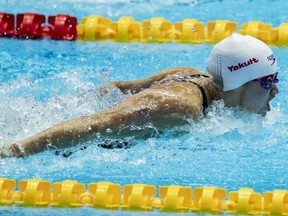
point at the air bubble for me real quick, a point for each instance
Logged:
(108, 130)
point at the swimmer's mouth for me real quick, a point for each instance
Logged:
(268, 106)
(269, 100)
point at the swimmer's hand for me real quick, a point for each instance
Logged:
(108, 88)
(12, 150)
(115, 84)
(128, 87)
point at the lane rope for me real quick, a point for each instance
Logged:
(126, 29)
(173, 198)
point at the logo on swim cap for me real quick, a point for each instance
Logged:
(242, 65)
(271, 58)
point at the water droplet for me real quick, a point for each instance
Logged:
(108, 130)
(98, 135)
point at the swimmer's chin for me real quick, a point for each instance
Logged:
(266, 108)
(263, 113)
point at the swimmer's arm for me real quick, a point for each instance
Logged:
(138, 85)
(65, 134)
(72, 132)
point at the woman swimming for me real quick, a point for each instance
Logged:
(242, 71)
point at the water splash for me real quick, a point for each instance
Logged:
(24, 113)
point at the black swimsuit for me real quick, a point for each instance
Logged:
(189, 79)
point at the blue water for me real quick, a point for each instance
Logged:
(44, 82)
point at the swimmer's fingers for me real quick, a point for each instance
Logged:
(124, 86)
(115, 84)
(106, 89)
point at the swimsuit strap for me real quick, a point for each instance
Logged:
(198, 76)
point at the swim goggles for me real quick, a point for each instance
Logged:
(269, 81)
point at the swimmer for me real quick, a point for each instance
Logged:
(242, 71)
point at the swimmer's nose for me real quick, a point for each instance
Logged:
(274, 91)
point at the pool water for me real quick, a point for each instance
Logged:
(43, 82)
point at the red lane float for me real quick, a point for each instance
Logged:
(7, 25)
(29, 26)
(64, 27)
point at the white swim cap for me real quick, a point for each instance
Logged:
(239, 59)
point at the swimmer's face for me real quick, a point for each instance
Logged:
(259, 93)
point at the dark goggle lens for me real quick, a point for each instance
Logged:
(269, 82)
